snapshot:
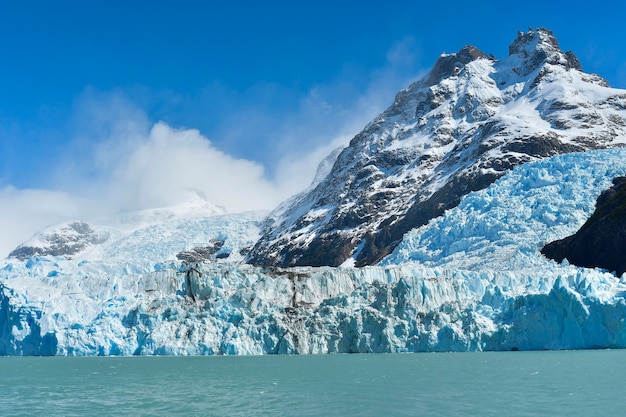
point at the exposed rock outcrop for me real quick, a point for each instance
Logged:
(65, 241)
(601, 241)
(204, 253)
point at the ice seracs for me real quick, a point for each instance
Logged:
(504, 226)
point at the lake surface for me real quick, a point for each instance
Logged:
(576, 383)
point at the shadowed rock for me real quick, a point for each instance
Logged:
(202, 254)
(601, 241)
(66, 241)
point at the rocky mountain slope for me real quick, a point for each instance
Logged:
(457, 130)
(601, 241)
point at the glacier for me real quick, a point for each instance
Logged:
(470, 280)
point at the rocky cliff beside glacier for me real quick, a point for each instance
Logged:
(601, 241)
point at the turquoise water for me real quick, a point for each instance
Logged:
(579, 383)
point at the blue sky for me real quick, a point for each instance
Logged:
(97, 98)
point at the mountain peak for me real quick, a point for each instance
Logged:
(536, 47)
(450, 64)
(533, 39)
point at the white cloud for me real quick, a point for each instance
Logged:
(125, 163)
(160, 169)
(135, 171)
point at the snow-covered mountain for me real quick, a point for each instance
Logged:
(457, 130)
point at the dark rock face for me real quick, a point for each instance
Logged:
(204, 253)
(449, 65)
(540, 46)
(601, 241)
(66, 241)
(457, 130)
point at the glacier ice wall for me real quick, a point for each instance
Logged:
(228, 309)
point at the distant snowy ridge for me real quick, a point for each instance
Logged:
(124, 238)
(65, 240)
(494, 291)
(457, 130)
